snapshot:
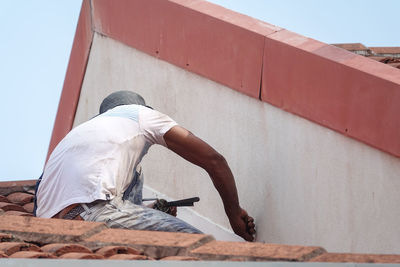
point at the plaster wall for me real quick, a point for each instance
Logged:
(303, 183)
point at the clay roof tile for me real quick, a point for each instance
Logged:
(109, 251)
(32, 255)
(28, 207)
(4, 199)
(12, 247)
(81, 255)
(18, 213)
(59, 249)
(20, 198)
(129, 257)
(10, 206)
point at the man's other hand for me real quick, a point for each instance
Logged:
(243, 225)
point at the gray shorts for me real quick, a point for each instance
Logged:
(119, 213)
(128, 212)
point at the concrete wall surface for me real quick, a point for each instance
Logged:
(303, 183)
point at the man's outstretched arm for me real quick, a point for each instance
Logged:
(198, 152)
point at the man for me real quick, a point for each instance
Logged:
(89, 174)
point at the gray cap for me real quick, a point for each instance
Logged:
(120, 98)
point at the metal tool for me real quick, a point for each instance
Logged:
(163, 205)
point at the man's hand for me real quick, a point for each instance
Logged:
(243, 225)
(158, 205)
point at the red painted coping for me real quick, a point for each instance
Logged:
(351, 94)
(74, 77)
(191, 35)
(345, 92)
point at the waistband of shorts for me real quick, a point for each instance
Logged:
(73, 214)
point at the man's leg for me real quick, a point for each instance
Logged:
(124, 214)
(129, 213)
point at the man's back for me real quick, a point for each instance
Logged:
(96, 160)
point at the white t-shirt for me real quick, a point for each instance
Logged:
(96, 159)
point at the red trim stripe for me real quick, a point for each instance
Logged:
(324, 84)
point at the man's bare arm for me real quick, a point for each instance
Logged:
(198, 152)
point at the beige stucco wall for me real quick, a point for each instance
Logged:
(303, 183)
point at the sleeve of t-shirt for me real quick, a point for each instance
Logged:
(154, 125)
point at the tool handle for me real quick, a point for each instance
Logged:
(183, 202)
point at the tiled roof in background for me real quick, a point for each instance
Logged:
(352, 46)
(385, 50)
(386, 55)
(25, 236)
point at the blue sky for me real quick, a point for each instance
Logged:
(36, 40)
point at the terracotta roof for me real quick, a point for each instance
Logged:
(375, 53)
(391, 61)
(352, 46)
(385, 50)
(25, 236)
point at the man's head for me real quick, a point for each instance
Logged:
(121, 98)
